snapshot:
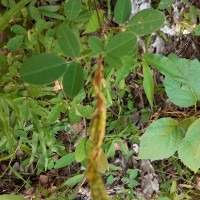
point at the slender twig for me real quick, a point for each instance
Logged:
(99, 20)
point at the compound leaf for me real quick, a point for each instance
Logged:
(43, 69)
(161, 139)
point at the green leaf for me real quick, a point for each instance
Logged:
(54, 114)
(129, 63)
(132, 173)
(122, 11)
(72, 8)
(161, 139)
(80, 152)
(181, 77)
(11, 197)
(93, 24)
(5, 19)
(148, 83)
(49, 8)
(34, 145)
(43, 69)
(18, 29)
(96, 44)
(111, 150)
(35, 13)
(163, 65)
(165, 3)
(114, 62)
(122, 44)
(103, 163)
(180, 92)
(73, 117)
(68, 41)
(73, 79)
(189, 149)
(146, 21)
(85, 111)
(65, 161)
(74, 180)
(110, 180)
(15, 43)
(52, 15)
(186, 123)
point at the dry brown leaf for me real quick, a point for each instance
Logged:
(149, 183)
(58, 86)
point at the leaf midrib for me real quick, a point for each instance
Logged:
(44, 69)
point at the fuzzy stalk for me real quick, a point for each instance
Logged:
(97, 132)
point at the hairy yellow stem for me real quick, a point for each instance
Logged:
(96, 132)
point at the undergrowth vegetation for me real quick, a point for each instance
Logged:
(82, 97)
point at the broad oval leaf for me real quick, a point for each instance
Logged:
(73, 79)
(189, 149)
(96, 44)
(43, 69)
(68, 41)
(181, 78)
(80, 152)
(148, 83)
(161, 139)
(146, 21)
(122, 11)
(65, 161)
(72, 8)
(180, 92)
(122, 44)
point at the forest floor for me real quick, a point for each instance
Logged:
(153, 179)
